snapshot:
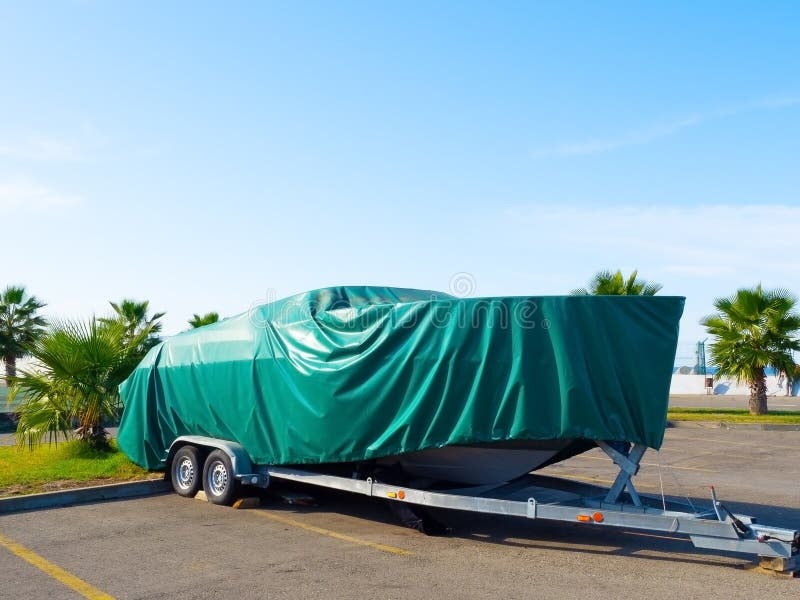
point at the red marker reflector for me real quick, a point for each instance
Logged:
(584, 518)
(401, 494)
(598, 517)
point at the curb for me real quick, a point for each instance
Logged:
(113, 491)
(728, 425)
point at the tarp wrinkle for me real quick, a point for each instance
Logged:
(355, 373)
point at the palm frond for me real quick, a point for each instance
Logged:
(43, 417)
(752, 330)
(79, 367)
(614, 283)
(20, 325)
(202, 320)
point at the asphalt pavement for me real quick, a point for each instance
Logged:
(351, 547)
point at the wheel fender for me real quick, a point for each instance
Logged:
(240, 461)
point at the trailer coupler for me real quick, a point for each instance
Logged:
(777, 549)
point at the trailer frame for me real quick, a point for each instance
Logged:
(548, 498)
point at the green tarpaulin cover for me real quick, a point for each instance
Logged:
(353, 373)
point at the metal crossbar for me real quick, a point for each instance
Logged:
(628, 467)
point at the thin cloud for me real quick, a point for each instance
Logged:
(701, 271)
(712, 241)
(702, 252)
(659, 131)
(26, 195)
(42, 148)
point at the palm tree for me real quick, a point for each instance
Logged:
(75, 380)
(754, 329)
(133, 315)
(19, 325)
(606, 283)
(206, 319)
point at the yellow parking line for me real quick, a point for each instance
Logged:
(68, 579)
(586, 478)
(668, 466)
(650, 464)
(580, 477)
(333, 534)
(747, 444)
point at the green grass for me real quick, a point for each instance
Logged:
(61, 466)
(732, 415)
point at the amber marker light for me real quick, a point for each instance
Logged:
(584, 518)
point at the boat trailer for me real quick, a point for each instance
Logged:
(556, 499)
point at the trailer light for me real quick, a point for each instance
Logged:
(598, 517)
(391, 494)
(254, 479)
(584, 518)
(401, 494)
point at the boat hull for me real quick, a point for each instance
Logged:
(477, 465)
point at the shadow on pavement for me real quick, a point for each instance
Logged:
(549, 535)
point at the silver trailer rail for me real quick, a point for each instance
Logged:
(531, 497)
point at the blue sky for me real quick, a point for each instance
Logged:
(205, 157)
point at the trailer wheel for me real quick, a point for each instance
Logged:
(185, 471)
(218, 481)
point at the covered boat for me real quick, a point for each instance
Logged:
(464, 389)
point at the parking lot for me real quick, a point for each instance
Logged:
(351, 547)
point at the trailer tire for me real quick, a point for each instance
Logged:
(219, 483)
(185, 471)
